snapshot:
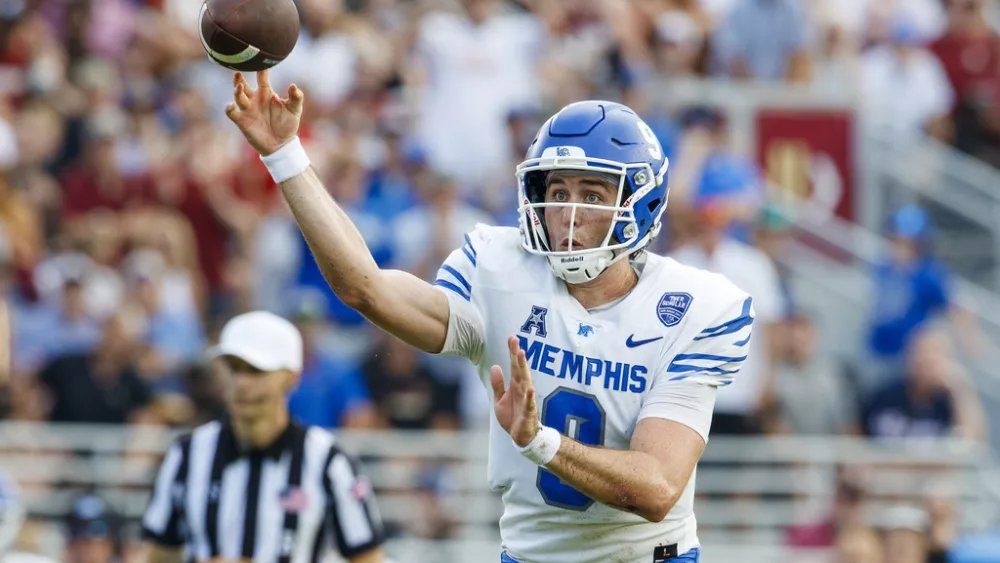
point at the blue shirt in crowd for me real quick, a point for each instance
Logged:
(328, 389)
(905, 297)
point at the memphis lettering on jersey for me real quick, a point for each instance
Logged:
(564, 364)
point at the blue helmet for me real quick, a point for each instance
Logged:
(607, 139)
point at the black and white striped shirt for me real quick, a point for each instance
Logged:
(289, 503)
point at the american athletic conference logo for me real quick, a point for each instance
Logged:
(672, 307)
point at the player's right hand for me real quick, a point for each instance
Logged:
(267, 120)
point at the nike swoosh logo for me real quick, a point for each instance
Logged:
(634, 343)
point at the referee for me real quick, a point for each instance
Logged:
(258, 486)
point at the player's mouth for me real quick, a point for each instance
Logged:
(564, 245)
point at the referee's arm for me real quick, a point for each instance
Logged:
(161, 523)
(351, 510)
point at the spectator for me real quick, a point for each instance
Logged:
(844, 525)
(859, 544)
(18, 217)
(427, 233)
(475, 68)
(578, 47)
(681, 38)
(976, 548)
(812, 394)
(904, 530)
(742, 407)
(391, 189)
(101, 386)
(436, 521)
(45, 331)
(94, 535)
(324, 37)
(101, 285)
(173, 331)
(932, 398)
(406, 393)
(774, 235)
(911, 288)
(764, 40)
(969, 50)
(97, 181)
(331, 391)
(904, 88)
(710, 168)
(347, 181)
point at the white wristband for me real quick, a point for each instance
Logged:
(287, 162)
(543, 447)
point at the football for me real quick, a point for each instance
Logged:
(248, 35)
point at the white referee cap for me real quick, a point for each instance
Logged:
(263, 340)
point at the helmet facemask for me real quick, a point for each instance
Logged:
(623, 235)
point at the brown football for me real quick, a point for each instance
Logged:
(248, 35)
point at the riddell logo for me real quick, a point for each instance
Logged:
(571, 259)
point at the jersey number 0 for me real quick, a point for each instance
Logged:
(579, 416)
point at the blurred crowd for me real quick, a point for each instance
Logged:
(134, 220)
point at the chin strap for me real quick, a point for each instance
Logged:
(584, 268)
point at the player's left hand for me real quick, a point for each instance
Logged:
(515, 406)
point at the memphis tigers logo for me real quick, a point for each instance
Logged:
(672, 307)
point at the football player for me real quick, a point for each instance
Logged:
(615, 354)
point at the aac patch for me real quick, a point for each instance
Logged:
(672, 307)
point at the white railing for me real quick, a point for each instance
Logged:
(948, 182)
(749, 489)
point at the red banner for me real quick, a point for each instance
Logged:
(808, 157)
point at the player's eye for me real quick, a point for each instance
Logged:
(559, 195)
(593, 198)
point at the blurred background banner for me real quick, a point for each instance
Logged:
(837, 159)
(808, 158)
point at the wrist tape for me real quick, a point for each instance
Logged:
(287, 162)
(543, 447)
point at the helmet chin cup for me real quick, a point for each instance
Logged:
(581, 268)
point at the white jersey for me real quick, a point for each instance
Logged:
(660, 351)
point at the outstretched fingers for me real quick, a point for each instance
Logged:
(242, 97)
(518, 363)
(264, 83)
(295, 99)
(496, 381)
(239, 79)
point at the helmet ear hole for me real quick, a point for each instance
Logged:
(534, 186)
(653, 205)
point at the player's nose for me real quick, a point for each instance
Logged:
(568, 215)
